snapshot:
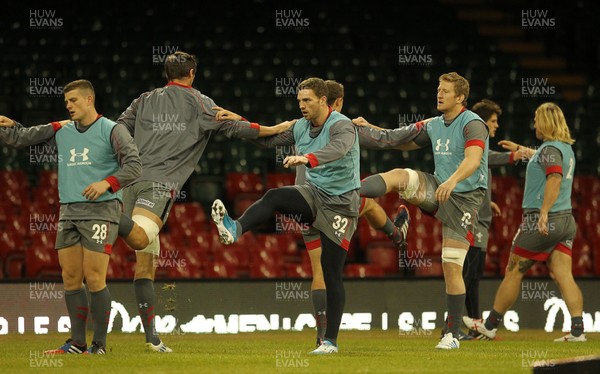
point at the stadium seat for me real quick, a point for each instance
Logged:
(300, 270)
(385, 255)
(239, 183)
(237, 256)
(219, 270)
(276, 180)
(266, 270)
(363, 271)
(41, 261)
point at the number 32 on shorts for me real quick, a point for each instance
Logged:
(339, 224)
(100, 232)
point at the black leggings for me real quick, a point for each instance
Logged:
(472, 273)
(286, 200)
(333, 258)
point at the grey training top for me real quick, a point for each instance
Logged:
(171, 126)
(122, 145)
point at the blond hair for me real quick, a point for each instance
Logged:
(551, 123)
(461, 84)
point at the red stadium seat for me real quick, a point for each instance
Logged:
(301, 270)
(385, 255)
(363, 271)
(276, 180)
(266, 270)
(582, 259)
(235, 255)
(42, 262)
(242, 202)
(219, 270)
(239, 183)
(285, 244)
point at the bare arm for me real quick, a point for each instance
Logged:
(466, 168)
(551, 191)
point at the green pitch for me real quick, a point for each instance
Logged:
(360, 352)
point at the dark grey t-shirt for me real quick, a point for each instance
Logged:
(171, 126)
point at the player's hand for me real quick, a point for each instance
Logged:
(360, 121)
(283, 126)
(543, 224)
(444, 190)
(95, 190)
(226, 115)
(496, 212)
(508, 145)
(291, 161)
(6, 122)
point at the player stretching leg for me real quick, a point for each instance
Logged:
(454, 194)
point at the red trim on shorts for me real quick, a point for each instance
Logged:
(470, 237)
(114, 183)
(108, 249)
(475, 143)
(345, 244)
(363, 201)
(554, 169)
(313, 244)
(564, 249)
(537, 256)
(255, 125)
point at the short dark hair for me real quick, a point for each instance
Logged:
(317, 85)
(179, 64)
(486, 108)
(79, 84)
(336, 90)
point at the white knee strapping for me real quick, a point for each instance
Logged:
(412, 186)
(153, 247)
(454, 255)
(149, 226)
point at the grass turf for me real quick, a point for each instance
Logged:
(264, 352)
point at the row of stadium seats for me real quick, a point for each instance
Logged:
(28, 216)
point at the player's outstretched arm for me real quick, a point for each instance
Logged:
(521, 152)
(14, 134)
(263, 131)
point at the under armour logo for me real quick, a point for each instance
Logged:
(82, 154)
(439, 144)
(479, 236)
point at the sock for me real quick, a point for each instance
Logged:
(455, 304)
(319, 300)
(238, 227)
(493, 320)
(144, 295)
(125, 225)
(373, 186)
(390, 230)
(100, 306)
(77, 306)
(576, 326)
